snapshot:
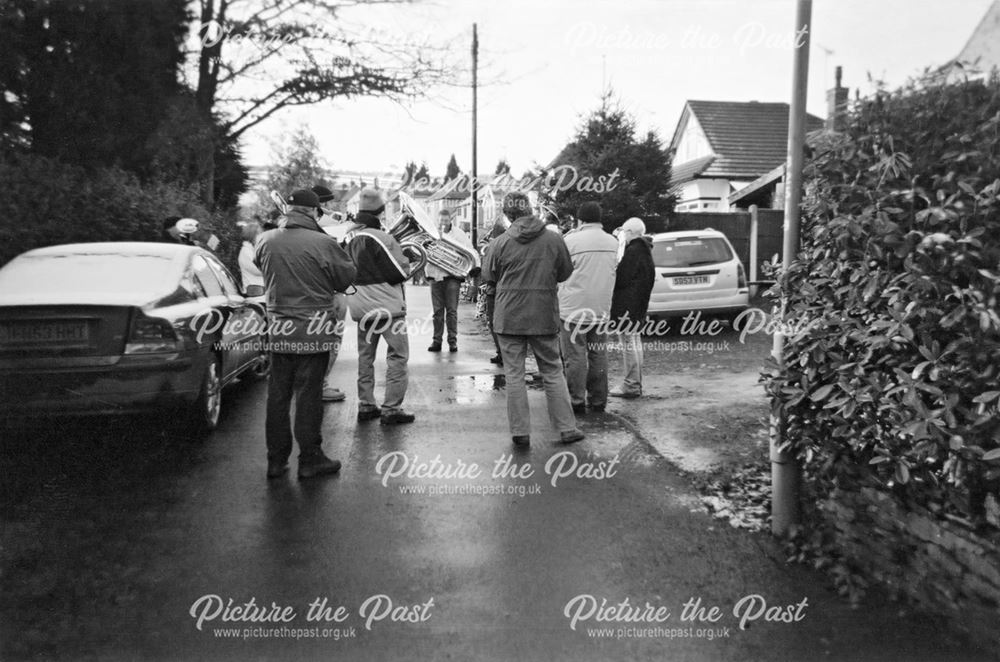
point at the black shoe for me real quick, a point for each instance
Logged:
(597, 409)
(498, 360)
(369, 414)
(570, 437)
(435, 347)
(318, 466)
(453, 348)
(579, 409)
(276, 470)
(397, 417)
(521, 440)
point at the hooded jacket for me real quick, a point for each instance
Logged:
(586, 295)
(382, 270)
(303, 267)
(634, 281)
(527, 263)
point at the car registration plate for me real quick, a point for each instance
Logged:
(44, 333)
(690, 280)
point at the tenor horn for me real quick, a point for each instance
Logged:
(279, 202)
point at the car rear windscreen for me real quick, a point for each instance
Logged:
(691, 252)
(85, 273)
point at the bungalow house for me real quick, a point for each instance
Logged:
(720, 147)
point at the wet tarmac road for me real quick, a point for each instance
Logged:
(112, 531)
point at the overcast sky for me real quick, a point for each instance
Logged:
(553, 56)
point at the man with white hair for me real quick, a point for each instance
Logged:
(630, 301)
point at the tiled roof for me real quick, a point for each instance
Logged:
(748, 138)
(691, 169)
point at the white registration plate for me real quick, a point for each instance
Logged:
(690, 280)
(44, 333)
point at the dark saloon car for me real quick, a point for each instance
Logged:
(124, 327)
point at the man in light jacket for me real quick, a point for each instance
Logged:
(379, 308)
(584, 306)
(526, 264)
(445, 288)
(303, 269)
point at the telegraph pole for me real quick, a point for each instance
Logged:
(784, 468)
(474, 184)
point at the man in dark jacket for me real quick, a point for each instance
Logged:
(303, 269)
(526, 264)
(630, 302)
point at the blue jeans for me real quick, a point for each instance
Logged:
(299, 376)
(444, 298)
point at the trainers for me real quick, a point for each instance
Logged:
(276, 470)
(435, 347)
(521, 440)
(368, 413)
(570, 437)
(397, 417)
(318, 466)
(333, 395)
(622, 393)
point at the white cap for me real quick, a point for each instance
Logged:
(187, 226)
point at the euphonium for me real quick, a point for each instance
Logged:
(418, 236)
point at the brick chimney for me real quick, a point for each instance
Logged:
(836, 105)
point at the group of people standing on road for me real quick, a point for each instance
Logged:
(550, 294)
(558, 296)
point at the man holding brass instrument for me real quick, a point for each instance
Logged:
(445, 287)
(379, 308)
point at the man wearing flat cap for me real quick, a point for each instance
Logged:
(304, 268)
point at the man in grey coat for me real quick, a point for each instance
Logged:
(526, 264)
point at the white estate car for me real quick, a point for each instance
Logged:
(697, 270)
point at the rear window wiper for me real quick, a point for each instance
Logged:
(702, 262)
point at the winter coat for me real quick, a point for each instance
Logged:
(527, 263)
(382, 270)
(586, 295)
(634, 281)
(303, 268)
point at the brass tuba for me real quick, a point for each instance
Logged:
(419, 236)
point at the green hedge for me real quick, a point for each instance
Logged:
(45, 202)
(894, 377)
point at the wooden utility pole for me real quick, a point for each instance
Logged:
(474, 184)
(784, 468)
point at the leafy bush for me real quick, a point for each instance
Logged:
(894, 377)
(45, 202)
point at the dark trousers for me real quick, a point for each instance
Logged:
(444, 298)
(301, 376)
(491, 306)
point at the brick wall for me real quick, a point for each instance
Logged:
(941, 565)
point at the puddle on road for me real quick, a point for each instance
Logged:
(492, 382)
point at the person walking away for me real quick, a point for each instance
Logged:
(526, 264)
(338, 313)
(303, 267)
(379, 308)
(445, 288)
(584, 309)
(633, 284)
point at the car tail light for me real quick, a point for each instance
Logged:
(150, 335)
(741, 276)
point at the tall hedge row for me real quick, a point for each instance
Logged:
(892, 373)
(44, 202)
